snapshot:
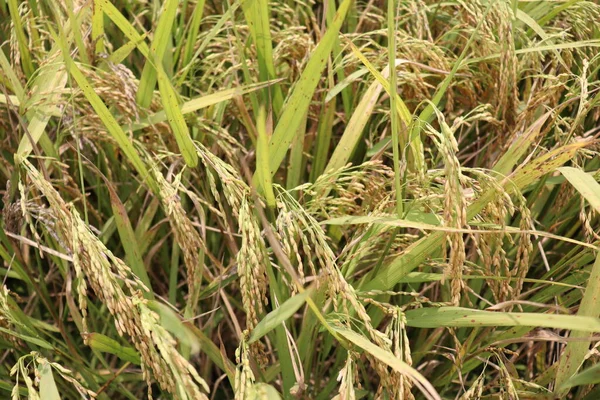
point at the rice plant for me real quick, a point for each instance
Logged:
(299, 200)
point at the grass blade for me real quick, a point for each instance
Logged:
(575, 352)
(458, 317)
(297, 103)
(48, 389)
(262, 159)
(354, 130)
(193, 30)
(128, 239)
(585, 184)
(104, 344)
(400, 108)
(590, 376)
(196, 104)
(75, 23)
(257, 16)
(174, 115)
(124, 26)
(98, 27)
(323, 142)
(172, 323)
(398, 142)
(122, 52)
(514, 153)
(278, 316)
(15, 84)
(161, 38)
(294, 172)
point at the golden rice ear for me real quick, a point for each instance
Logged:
(186, 236)
(454, 205)
(119, 289)
(252, 262)
(342, 295)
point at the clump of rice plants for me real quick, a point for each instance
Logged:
(299, 199)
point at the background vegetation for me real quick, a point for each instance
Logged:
(219, 199)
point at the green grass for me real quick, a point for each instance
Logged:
(241, 199)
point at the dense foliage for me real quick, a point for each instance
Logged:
(219, 199)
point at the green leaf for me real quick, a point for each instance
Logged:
(408, 223)
(209, 38)
(98, 28)
(540, 49)
(354, 129)
(458, 317)
(548, 162)
(122, 52)
(213, 352)
(297, 104)
(197, 104)
(590, 376)
(128, 238)
(585, 184)
(161, 38)
(295, 165)
(262, 158)
(168, 97)
(30, 339)
(323, 140)
(105, 344)
(124, 25)
(75, 21)
(576, 350)
(48, 389)
(401, 108)
(15, 84)
(193, 32)
(526, 19)
(353, 77)
(397, 110)
(257, 15)
(277, 316)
